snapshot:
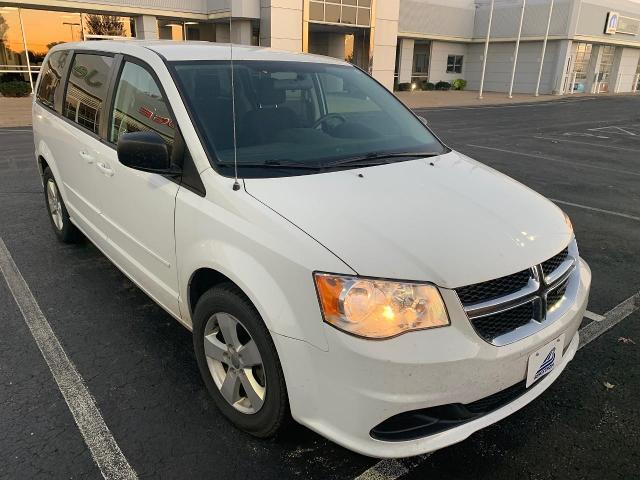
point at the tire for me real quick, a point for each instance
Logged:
(66, 231)
(215, 314)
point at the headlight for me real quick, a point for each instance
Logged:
(567, 220)
(378, 308)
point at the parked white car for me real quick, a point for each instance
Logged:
(335, 261)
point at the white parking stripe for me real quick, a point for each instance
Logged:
(593, 316)
(392, 469)
(614, 316)
(557, 160)
(595, 209)
(96, 434)
(604, 145)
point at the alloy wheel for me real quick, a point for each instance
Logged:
(235, 363)
(55, 206)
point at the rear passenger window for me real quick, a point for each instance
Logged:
(140, 106)
(50, 78)
(87, 90)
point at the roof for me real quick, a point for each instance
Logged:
(197, 50)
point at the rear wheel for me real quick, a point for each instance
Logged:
(66, 231)
(238, 361)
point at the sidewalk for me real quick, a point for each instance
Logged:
(457, 98)
(15, 112)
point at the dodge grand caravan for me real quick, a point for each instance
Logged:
(335, 261)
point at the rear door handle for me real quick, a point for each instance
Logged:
(86, 157)
(104, 169)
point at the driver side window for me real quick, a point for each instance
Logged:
(140, 106)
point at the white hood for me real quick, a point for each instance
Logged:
(452, 223)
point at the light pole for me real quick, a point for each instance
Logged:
(515, 54)
(544, 49)
(486, 50)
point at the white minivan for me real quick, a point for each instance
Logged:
(336, 262)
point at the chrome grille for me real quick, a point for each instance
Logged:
(555, 296)
(493, 326)
(480, 292)
(554, 262)
(498, 307)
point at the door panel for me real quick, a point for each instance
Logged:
(138, 207)
(78, 145)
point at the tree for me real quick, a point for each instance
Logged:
(105, 25)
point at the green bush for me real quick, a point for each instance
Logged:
(443, 85)
(404, 87)
(459, 84)
(429, 86)
(15, 88)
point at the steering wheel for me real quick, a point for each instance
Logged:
(329, 116)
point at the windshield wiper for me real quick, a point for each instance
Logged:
(377, 158)
(274, 164)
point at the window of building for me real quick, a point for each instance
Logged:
(50, 81)
(87, 89)
(454, 63)
(580, 66)
(140, 106)
(13, 58)
(348, 12)
(606, 66)
(45, 28)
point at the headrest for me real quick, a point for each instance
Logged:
(268, 94)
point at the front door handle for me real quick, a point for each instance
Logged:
(86, 157)
(105, 169)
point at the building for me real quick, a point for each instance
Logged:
(592, 45)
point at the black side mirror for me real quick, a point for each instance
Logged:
(146, 151)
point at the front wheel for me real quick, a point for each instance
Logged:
(238, 361)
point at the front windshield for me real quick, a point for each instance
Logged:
(309, 115)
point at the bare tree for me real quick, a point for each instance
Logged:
(104, 25)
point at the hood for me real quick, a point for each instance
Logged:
(449, 220)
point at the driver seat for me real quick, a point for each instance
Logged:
(262, 124)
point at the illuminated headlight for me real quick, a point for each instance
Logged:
(567, 220)
(375, 308)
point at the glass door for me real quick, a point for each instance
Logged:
(603, 77)
(580, 66)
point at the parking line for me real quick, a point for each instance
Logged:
(557, 160)
(604, 145)
(593, 316)
(104, 449)
(595, 209)
(392, 469)
(614, 316)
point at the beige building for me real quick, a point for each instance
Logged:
(592, 45)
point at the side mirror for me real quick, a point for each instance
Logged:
(145, 151)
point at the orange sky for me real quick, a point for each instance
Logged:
(41, 27)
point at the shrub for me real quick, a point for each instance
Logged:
(429, 86)
(443, 85)
(15, 88)
(459, 84)
(404, 87)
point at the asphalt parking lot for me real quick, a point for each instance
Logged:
(138, 366)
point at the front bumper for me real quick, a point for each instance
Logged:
(345, 392)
